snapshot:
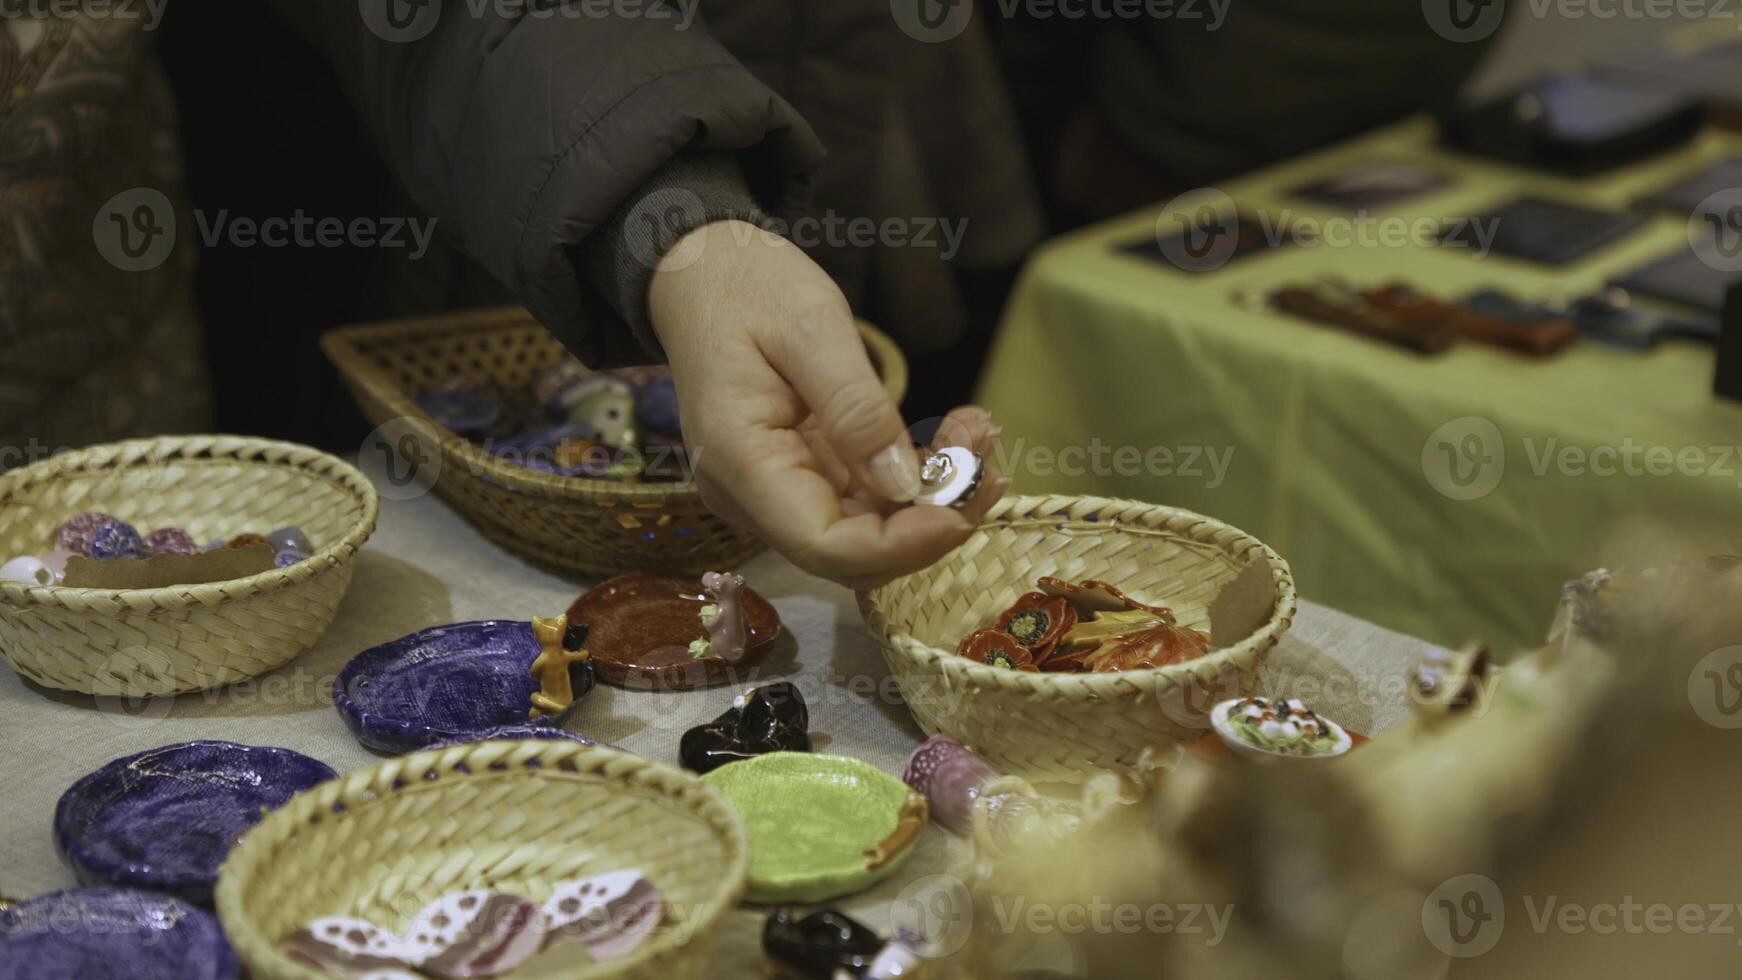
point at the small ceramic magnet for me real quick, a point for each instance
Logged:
(170, 541)
(611, 913)
(474, 934)
(27, 570)
(950, 476)
(75, 535)
(950, 777)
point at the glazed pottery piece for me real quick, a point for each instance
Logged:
(656, 406)
(604, 406)
(75, 533)
(290, 539)
(165, 819)
(521, 731)
(461, 408)
(819, 946)
(117, 539)
(821, 826)
(1292, 730)
(949, 477)
(642, 626)
(440, 685)
(610, 913)
(112, 934)
(767, 719)
(27, 571)
(950, 778)
(170, 541)
(473, 934)
(564, 668)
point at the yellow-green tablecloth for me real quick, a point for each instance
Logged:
(1114, 374)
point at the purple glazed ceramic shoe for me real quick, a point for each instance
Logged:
(165, 819)
(112, 934)
(449, 683)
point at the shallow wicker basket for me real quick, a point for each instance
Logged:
(1066, 727)
(518, 817)
(143, 642)
(596, 527)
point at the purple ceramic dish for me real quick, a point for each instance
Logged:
(535, 732)
(446, 684)
(165, 819)
(112, 934)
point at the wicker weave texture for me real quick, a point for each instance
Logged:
(1066, 727)
(518, 817)
(595, 527)
(143, 642)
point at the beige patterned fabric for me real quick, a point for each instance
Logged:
(98, 336)
(425, 567)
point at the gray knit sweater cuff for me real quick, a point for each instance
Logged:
(695, 188)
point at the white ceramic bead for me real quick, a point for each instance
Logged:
(30, 571)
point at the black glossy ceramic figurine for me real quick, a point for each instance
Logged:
(822, 945)
(767, 719)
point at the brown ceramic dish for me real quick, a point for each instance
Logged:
(641, 626)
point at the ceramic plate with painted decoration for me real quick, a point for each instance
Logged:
(164, 819)
(112, 934)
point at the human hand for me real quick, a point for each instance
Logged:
(790, 431)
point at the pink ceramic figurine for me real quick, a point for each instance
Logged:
(726, 626)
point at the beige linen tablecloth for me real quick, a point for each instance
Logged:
(425, 567)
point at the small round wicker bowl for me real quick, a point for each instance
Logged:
(1066, 727)
(512, 816)
(146, 642)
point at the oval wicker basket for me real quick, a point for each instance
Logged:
(513, 816)
(144, 642)
(1066, 727)
(595, 527)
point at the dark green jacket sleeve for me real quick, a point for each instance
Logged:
(523, 128)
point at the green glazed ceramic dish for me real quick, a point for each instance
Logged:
(821, 826)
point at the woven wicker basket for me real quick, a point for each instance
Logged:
(144, 642)
(1065, 727)
(596, 527)
(518, 817)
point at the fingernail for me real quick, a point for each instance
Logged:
(895, 473)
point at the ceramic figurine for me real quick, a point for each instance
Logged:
(723, 618)
(1446, 683)
(830, 945)
(767, 719)
(950, 778)
(604, 405)
(950, 476)
(564, 667)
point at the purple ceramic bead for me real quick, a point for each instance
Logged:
(170, 541)
(75, 535)
(113, 934)
(656, 406)
(117, 539)
(285, 559)
(950, 778)
(462, 409)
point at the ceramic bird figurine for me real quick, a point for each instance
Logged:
(562, 660)
(726, 625)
